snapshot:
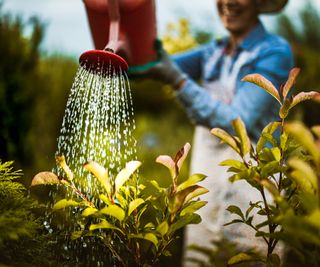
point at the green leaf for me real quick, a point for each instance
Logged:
(197, 191)
(192, 180)
(252, 206)
(284, 110)
(45, 178)
(193, 207)
(235, 164)
(148, 236)
(233, 222)
(270, 168)
(263, 224)
(125, 173)
(247, 175)
(63, 203)
(134, 204)
(168, 162)
(235, 210)
(185, 220)
(75, 235)
(149, 225)
(178, 200)
(303, 96)
(122, 201)
(104, 225)
(264, 84)
(100, 173)
(163, 228)
(270, 154)
(89, 211)
(290, 82)
(241, 132)
(105, 199)
(114, 211)
(303, 175)
(266, 133)
(243, 257)
(304, 137)
(156, 185)
(226, 138)
(61, 162)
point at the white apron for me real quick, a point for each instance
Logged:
(207, 153)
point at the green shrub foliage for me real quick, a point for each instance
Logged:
(21, 242)
(135, 225)
(286, 167)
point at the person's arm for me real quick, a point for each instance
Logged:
(191, 62)
(250, 102)
(175, 70)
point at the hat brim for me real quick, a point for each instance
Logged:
(271, 6)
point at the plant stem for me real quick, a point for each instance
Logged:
(271, 230)
(257, 230)
(79, 193)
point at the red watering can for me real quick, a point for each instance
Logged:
(126, 27)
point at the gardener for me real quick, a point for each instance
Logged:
(222, 97)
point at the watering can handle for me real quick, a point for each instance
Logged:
(114, 16)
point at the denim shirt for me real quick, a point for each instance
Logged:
(271, 57)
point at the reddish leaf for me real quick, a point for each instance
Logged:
(174, 166)
(100, 173)
(284, 110)
(290, 82)
(264, 84)
(226, 138)
(44, 178)
(168, 162)
(303, 96)
(183, 153)
(61, 162)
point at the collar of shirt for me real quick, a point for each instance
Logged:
(255, 36)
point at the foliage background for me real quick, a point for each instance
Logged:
(34, 87)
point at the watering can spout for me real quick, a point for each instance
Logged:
(128, 27)
(100, 61)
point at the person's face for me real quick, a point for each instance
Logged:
(238, 16)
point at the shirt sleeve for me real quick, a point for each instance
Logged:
(250, 102)
(191, 62)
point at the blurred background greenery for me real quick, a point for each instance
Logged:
(34, 87)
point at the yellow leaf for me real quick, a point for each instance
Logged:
(125, 173)
(62, 164)
(114, 211)
(100, 173)
(134, 204)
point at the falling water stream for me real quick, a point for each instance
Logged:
(98, 126)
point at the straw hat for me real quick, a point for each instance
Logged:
(271, 6)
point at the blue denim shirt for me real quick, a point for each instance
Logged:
(272, 58)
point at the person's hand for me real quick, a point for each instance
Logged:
(165, 71)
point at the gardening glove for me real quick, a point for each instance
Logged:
(165, 70)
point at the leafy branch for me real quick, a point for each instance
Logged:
(267, 165)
